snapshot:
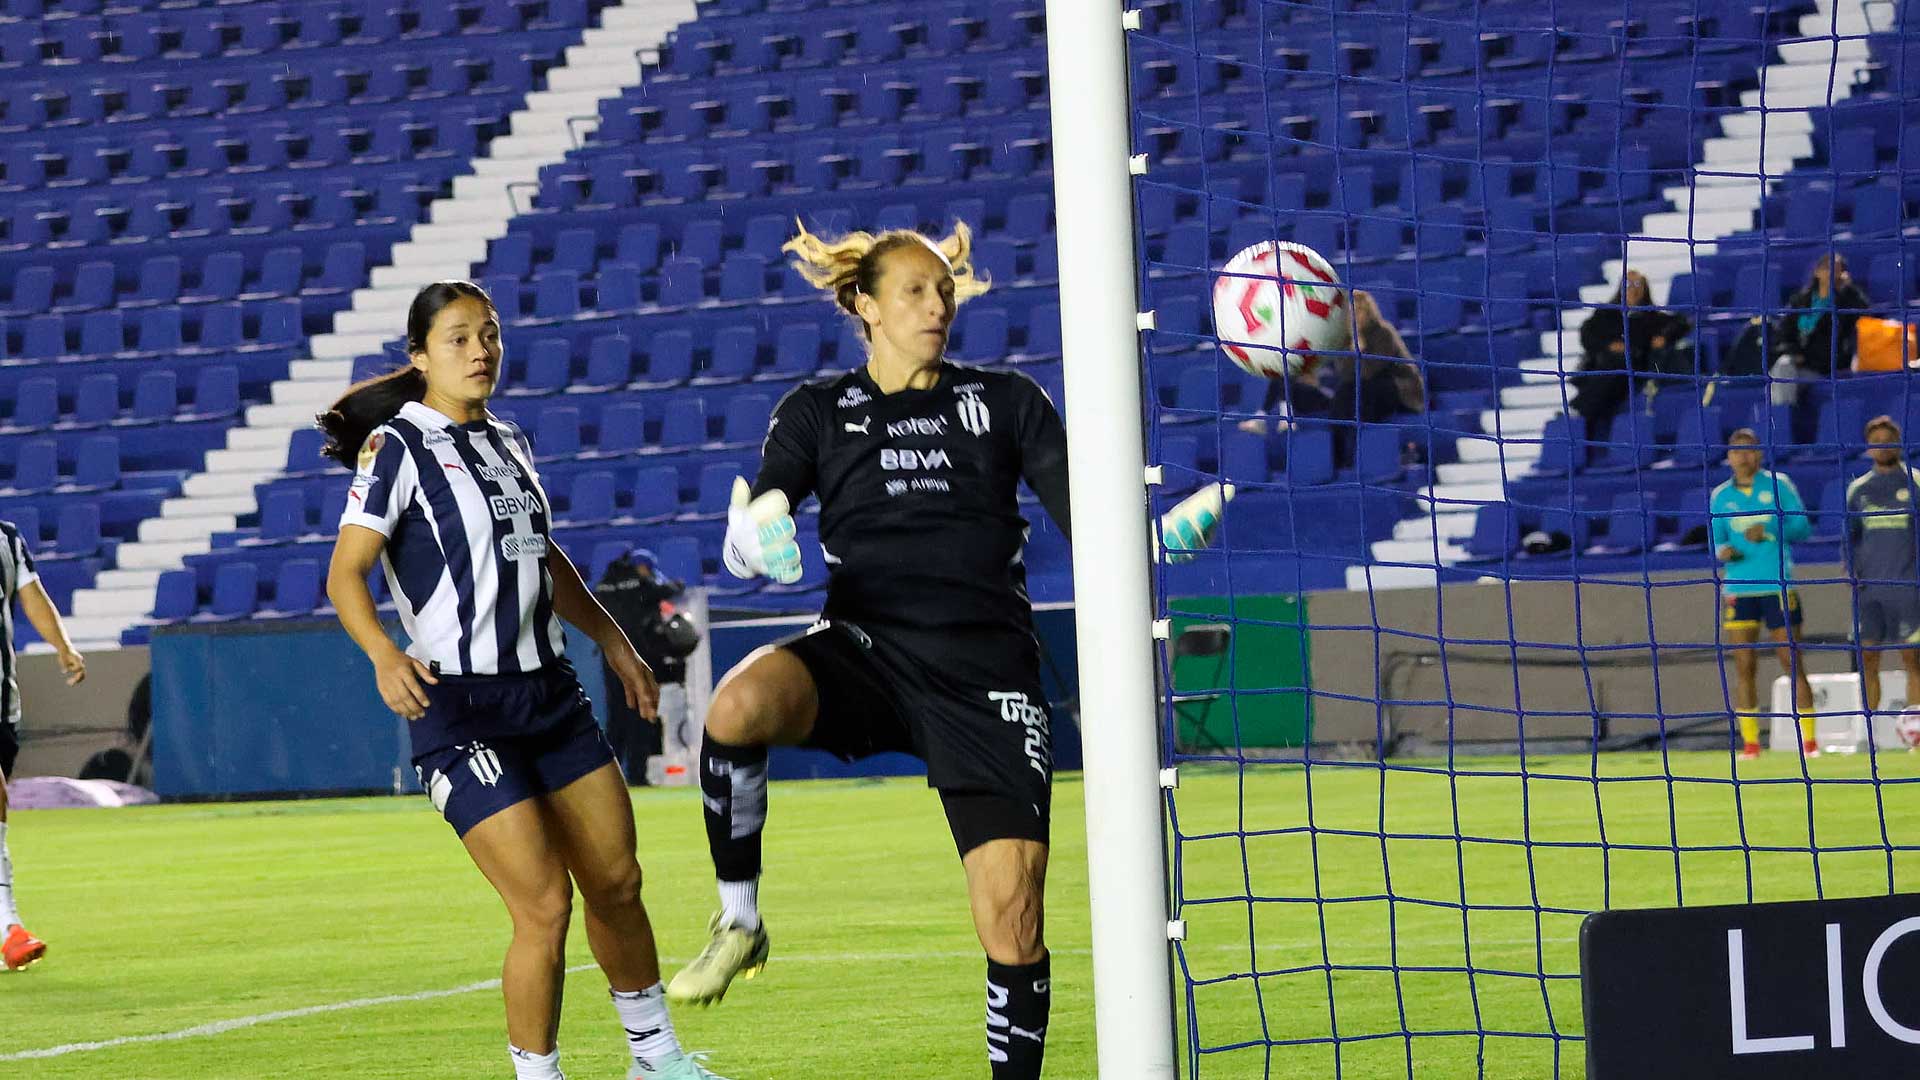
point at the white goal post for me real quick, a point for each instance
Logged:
(1113, 612)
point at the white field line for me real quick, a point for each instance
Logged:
(221, 1027)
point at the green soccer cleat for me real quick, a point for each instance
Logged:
(684, 1067)
(730, 952)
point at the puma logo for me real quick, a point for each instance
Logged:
(861, 427)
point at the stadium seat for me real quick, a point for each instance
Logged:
(77, 533)
(236, 591)
(622, 428)
(656, 495)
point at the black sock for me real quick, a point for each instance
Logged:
(733, 783)
(1018, 998)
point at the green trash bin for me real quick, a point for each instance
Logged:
(1240, 673)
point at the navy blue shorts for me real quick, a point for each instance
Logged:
(1772, 610)
(555, 742)
(1887, 614)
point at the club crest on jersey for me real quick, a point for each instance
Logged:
(371, 448)
(974, 415)
(485, 764)
(853, 398)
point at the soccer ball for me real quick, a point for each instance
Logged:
(1907, 726)
(1276, 307)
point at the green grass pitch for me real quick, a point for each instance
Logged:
(170, 918)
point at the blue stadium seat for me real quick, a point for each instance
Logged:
(623, 428)
(96, 465)
(160, 331)
(1495, 533)
(1308, 452)
(669, 360)
(617, 289)
(92, 288)
(283, 516)
(174, 596)
(77, 532)
(732, 358)
(679, 559)
(556, 296)
(609, 364)
(216, 393)
(713, 494)
(36, 404)
(35, 469)
(683, 424)
(236, 591)
(745, 422)
(558, 434)
(656, 494)
(98, 400)
(590, 502)
(547, 368)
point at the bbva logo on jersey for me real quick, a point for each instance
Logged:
(914, 460)
(506, 506)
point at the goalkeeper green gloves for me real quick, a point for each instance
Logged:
(1191, 525)
(760, 536)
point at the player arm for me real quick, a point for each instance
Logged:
(1043, 453)
(790, 457)
(38, 607)
(1795, 525)
(355, 554)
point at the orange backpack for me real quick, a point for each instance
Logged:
(1885, 345)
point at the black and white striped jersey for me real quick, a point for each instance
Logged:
(467, 528)
(16, 573)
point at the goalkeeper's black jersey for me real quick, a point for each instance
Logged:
(919, 513)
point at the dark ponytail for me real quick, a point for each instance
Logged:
(368, 404)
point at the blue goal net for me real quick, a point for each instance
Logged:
(1556, 585)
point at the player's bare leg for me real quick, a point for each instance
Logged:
(768, 699)
(592, 825)
(1870, 676)
(1746, 699)
(513, 850)
(18, 949)
(1006, 887)
(1794, 666)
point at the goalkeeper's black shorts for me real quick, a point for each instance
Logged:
(968, 703)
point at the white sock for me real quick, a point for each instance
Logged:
(530, 1066)
(649, 1029)
(9, 915)
(740, 904)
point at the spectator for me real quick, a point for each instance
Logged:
(1807, 339)
(1388, 381)
(1628, 335)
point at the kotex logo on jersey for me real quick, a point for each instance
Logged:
(914, 460)
(917, 425)
(523, 546)
(497, 473)
(509, 505)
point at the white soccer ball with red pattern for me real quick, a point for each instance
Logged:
(1276, 307)
(1907, 726)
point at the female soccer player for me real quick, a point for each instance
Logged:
(447, 500)
(18, 948)
(926, 645)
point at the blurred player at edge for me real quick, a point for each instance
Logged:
(447, 500)
(926, 643)
(18, 581)
(1757, 514)
(1880, 557)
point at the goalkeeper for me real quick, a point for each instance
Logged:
(926, 643)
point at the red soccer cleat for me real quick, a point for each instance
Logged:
(1750, 752)
(1810, 748)
(21, 949)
